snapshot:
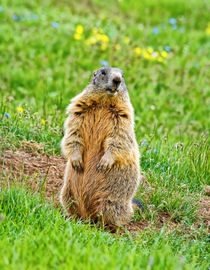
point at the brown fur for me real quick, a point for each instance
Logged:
(102, 172)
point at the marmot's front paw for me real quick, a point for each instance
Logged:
(77, 163)
(105, 163)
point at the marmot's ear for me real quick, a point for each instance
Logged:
(94, 75)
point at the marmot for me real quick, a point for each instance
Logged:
(102, 172)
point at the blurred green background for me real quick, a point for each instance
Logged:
(48, 52)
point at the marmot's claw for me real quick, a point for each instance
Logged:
(104, 165)
(77, 165)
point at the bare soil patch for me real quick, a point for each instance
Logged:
(204, 210)
(45, 173)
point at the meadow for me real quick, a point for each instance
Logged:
(49, 50)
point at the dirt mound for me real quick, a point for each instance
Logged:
(204, 210)
(45, 173)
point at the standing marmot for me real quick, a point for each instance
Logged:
(102, 172)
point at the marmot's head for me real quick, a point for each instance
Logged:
(109, 79)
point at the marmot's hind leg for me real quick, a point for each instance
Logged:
(117, 213)
(66, 198)
(67, 201)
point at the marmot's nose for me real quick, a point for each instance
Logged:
(116, 81)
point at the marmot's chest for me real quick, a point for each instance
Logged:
(101, 122)
(99, 119)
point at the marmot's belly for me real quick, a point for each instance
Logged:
(118, 183)
(95, 133)
(96, 127)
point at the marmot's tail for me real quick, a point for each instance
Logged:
(138, 204)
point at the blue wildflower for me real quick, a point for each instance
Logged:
(156, 30)
(174, 27)
(104, 63)
(182, 30)
(144, 141)
(15, 17)
(195, 65)
(1, 8)
(172, 21)
(55, 24)
(35, 17)
(155, 150)
(167, 48)
(7, 115)
(154, 54)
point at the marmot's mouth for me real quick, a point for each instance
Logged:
(112, 90)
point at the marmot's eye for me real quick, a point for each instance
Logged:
(103, 72)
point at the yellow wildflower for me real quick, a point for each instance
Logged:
(104, 46)
(164, 54)
(160, 59)
(95, 30)
(208, 29)
(20, 109)
(137, 50)
(77, 36)
(92, 40)
(98, 36)
(126, 40)
(150, 57)
(146, 55)
(43, 122)
(79, 29)
(117, 47)
(150, 50)
(104, 38)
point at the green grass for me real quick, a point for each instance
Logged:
(36, 236)
(43, 67)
